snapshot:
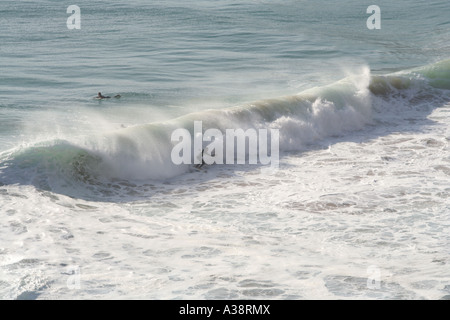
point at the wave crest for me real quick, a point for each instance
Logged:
(143, 152)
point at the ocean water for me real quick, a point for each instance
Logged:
(92, 206)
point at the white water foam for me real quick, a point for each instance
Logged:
(346, 207)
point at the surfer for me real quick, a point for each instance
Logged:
(198, 166)
(100, 96)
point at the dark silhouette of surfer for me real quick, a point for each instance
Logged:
(198, 166)
(100, 96)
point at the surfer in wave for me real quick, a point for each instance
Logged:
(200, 156)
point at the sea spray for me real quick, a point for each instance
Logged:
(143, 152)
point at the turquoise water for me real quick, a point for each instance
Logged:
(87, 187)
(169, 52)
(174, 57)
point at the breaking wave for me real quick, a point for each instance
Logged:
(144, 152)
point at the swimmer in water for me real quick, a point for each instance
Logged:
(100, 96)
